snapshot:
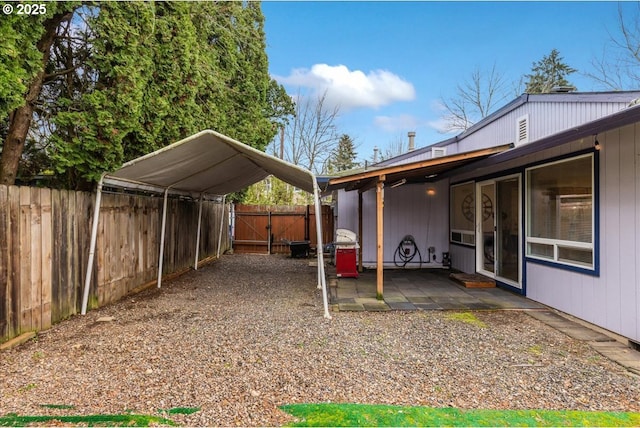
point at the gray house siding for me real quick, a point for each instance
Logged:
(408, 210)
(612, 298)
(547, 114)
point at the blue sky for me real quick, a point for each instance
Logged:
(388, 64)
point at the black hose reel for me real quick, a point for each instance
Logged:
(406, 251)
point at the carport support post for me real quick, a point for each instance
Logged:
(360, 268)
(92, 247)
(195, 263)
(162, 232)
(380, 235)
(322, 281)
(224, 200)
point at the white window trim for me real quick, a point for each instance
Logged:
(560, 243)
(463, 232)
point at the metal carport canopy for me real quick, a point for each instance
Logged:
(206, 163)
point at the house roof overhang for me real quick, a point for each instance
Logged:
(587, 132)
(415, 172)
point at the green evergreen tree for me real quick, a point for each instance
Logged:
(126, 78)
(344, 155)
(548, 73)
(24, 54)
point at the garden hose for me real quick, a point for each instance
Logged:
(406, 251)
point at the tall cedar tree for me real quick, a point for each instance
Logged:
(24, 53)
(144, 75)
(548, 73)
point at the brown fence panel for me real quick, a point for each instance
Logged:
(44, 248)
(256, 226)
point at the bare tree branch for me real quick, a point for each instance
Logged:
(619, 66)
(311, 136)
(475, 99)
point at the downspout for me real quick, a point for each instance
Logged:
(162, 233)
(92, 246)
(195, 263)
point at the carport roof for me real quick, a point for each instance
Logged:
(414, 172)
(210, 163)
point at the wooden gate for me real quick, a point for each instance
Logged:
(268, 229)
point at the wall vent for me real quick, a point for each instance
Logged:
(522, 130)
(438, 152)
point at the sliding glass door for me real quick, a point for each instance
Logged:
(498, 226)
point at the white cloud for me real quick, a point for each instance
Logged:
(351, 89)
(403, 122)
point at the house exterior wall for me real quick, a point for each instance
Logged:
(610, 299)
(545, 119)
(610, 295)
(408, 210)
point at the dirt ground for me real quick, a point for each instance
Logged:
(246, 334)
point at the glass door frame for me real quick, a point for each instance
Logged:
(481, 209)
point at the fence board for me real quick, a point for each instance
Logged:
(15, 279)
(36, 260)
(4, 262)
(24, 238)
(45, 268)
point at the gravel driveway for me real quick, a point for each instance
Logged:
(246, 334)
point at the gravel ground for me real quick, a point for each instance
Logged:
(246, 334)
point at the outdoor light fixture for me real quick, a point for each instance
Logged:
(596, 144)
(398, 183)
(431, 191)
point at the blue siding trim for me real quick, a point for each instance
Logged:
(523, 231)
(511, 288)
(596, 213)
(586, 271)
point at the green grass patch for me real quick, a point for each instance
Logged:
(128, 420)
(466, 317)
(355, 415)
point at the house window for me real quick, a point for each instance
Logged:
(560, 212)
(462, 215)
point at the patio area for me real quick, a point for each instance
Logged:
(419, 289)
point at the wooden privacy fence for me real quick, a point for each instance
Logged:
(44, 248)
(266, 228)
